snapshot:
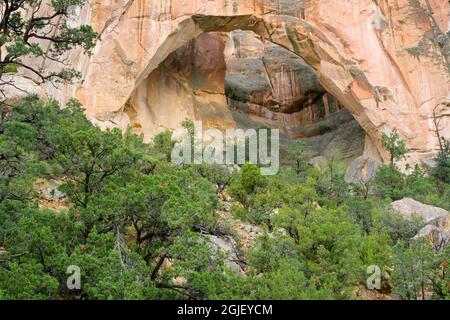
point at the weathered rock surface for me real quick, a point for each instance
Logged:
(362, 170)
(227, 246)
(230, 80)
(430, 214)
(386, 62)
(439, 236)
(22, 87)
(437, 221)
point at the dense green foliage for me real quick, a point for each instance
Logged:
(442, 169)
(137, 225)
(39, 29)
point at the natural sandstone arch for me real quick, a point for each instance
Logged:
(235, 80)
(377, 103)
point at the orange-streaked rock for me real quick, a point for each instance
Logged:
(386, 61)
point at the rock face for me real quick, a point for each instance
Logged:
(362, 170)
(21, 86)
(386, 62)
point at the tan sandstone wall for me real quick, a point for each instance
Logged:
(386, 61)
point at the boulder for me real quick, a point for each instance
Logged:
(440, 237)
(430, 214)
(362, 170)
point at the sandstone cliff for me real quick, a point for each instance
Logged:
(297, 64)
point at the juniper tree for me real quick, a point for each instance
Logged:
(39, 29)
(394, 145)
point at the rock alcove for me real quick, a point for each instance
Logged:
(238, 80)
(385, 87)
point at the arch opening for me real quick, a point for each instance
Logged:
(237, 80)
(379, 104)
